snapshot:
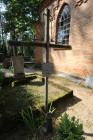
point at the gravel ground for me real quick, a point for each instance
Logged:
(81, 106)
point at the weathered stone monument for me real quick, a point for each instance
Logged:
(89, 81)
(18, 66)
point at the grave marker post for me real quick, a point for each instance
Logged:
(47, 71)
(46, 60)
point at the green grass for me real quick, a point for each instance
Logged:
(1, 66)
(14, 99)
(11, 69)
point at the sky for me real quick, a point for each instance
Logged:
(2, 6)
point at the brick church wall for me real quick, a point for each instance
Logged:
(79, 60)
(38, 50)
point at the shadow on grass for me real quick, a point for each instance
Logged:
(16, 98)
(12, 101)
(36, 83)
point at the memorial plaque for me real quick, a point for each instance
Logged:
(47, 69)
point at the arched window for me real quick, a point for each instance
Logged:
(64, 26)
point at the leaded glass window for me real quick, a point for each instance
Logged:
(64, 26)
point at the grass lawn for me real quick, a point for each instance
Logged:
(22, 96)
(14, 99)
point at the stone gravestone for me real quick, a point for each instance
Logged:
(18, 67)
(89, 81)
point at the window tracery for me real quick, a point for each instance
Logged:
(64, 26)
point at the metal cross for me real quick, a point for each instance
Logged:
(47, 46)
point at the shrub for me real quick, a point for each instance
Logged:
(11, 69)
(0, 89)
(8, 81)
(69, 129)
(4, 81)
(1, 66)
(30, 121)
(2, 77)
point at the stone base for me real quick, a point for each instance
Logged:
(19, 76)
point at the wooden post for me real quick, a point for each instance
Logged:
(47, 59)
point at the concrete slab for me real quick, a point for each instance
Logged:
(89, 81)
(71, 78)
(27, 71)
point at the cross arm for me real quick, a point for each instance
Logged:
(63, 47)
(22, 43)
(33, 44)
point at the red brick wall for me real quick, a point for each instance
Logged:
(79, 60)
(38, 50)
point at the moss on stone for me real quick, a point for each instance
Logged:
(60, 96)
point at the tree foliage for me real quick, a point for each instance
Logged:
(21, 15)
